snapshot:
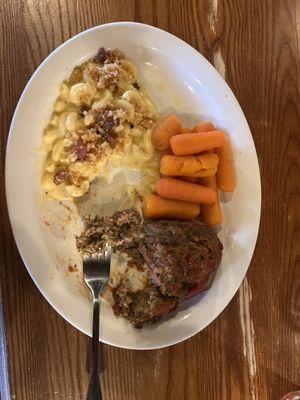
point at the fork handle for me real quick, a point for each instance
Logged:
(94, 390)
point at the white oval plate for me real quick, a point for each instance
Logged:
(178, 78)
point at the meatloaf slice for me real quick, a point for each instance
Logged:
(182, 256)
(122, 231)
(176, 260)
(142, 306)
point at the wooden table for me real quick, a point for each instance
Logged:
(252, 351)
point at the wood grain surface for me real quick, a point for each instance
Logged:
(252, 351)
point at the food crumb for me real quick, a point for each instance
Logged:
(72, 268)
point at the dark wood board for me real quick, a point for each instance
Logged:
(252, 350)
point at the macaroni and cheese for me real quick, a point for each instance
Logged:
(101, 119)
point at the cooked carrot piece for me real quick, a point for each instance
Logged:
(195, 166)
(211, 213)
(157, 207)
(204, 127)
(168, 126)
(186, 130)
(185, 191)
(225, 173)
(194, 143)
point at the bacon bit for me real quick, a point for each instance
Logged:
(102, 55)
(60, 177)
(107, 125)
(110, 138)
(79, 150)
(83, 111)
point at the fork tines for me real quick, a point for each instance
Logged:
(104, 253)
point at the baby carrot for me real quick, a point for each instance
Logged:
(195, 166)
(204, 127)
(211, 213)
(185, 191)
(157, 207)
(168, 126)
(225, 173)
(194, 143)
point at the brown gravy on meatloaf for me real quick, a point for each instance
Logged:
(180, 257)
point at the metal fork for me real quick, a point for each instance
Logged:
(96, 270)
